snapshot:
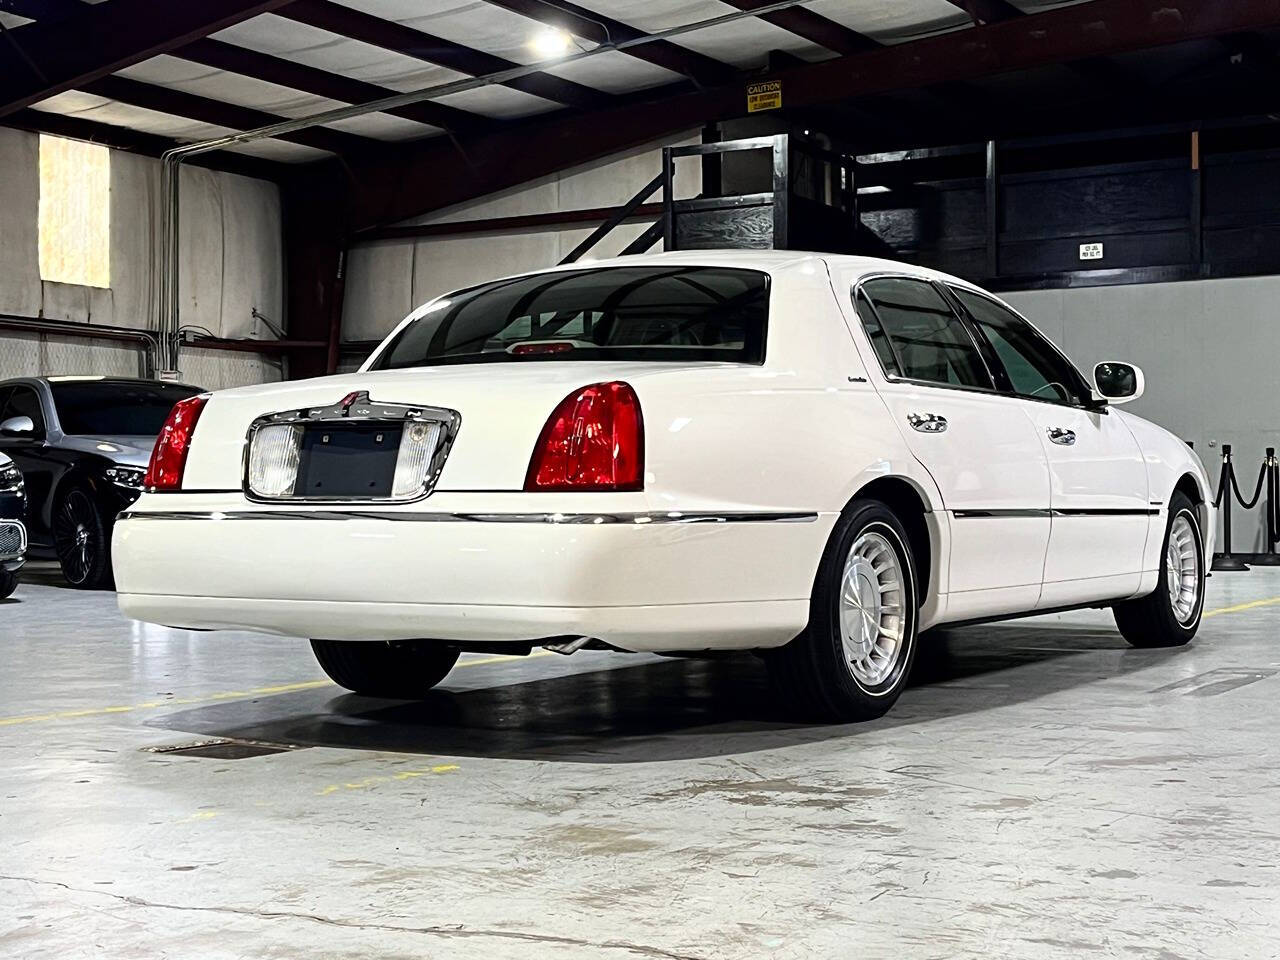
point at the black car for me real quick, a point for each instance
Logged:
(13, 532)
(82, 445)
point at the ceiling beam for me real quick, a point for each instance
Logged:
(390, 35)
(193, 107)
(411, 179)
(147, 144)
(988, 11)
(814, 27)
(44, 59)
(42, 9)
(321, 83)
(598, 28)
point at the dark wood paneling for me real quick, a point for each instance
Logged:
(1049, 204)
(738, 227)
(1122, 251)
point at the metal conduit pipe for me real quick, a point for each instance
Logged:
(149, 340)
(167, 321)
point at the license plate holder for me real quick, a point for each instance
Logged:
(348, 461)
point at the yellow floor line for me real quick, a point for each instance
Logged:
(1252, 605)
(224, 695)
(315, 684)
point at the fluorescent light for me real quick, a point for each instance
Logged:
(551, 42)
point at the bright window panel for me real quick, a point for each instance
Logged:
(75, 212)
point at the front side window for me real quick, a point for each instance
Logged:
(685, 313)
(928, 341)
(1035, 369)
(105, 409)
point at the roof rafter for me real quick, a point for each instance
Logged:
(427, 47)
(321, 83)
(388, 186)
(45, 59)
(988, 11)
(814, 27)
(601, 29)
(194, 107)
(147, 144)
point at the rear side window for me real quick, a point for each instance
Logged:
(928, 342)
(104, 408)
(613, 313)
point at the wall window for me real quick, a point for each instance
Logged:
(75, 212)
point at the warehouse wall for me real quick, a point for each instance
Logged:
(1209, 353)
(385, 280)
(231, 261)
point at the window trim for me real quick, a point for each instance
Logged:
(962, 317)
(952, 286)
(381, 353)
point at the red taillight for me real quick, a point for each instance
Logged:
(169, 458)
(594, 440)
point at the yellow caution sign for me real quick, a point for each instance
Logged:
(764, 96)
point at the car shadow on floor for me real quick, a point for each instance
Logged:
(673, 709)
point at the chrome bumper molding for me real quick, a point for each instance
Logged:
(408, 517)
(22, 540)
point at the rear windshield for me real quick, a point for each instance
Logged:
(104, 408)
(614, 313)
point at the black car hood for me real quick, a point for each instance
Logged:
(126, 451)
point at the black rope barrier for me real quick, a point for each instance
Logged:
(1270, 558)
(1229, 492)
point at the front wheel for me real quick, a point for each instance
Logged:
(81, 541)
(397, 669)
(852, 661)
(1170, 616)
(8, 584)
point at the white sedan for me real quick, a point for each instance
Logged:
(811, 456)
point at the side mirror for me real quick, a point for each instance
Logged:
(18, 427)
(1118, 382)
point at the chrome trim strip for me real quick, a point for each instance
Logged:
(1025, 514)
(998, 514)
(407, 517)
(22, 539)
(1107, 512)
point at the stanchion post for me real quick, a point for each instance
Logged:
(1225, 561)
(1270, 558)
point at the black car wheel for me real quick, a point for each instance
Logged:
(399, 669)
(80, 541)
(8, 584)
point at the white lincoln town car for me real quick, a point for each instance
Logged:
(814, 457)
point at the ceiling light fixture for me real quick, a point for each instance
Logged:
(551, 42)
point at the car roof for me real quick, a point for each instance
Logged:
(90, 378)
(766, 260)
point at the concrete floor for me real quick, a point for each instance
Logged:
(1042, 790)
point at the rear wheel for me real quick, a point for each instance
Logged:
(398, 669)
(81, 542)
(1170, 616)
(852, 661)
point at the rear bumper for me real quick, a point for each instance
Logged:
(639, 581)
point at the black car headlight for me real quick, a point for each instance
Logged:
(128, 477)
(10, 479)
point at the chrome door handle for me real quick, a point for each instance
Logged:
(1062, 436)
(927, 422)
